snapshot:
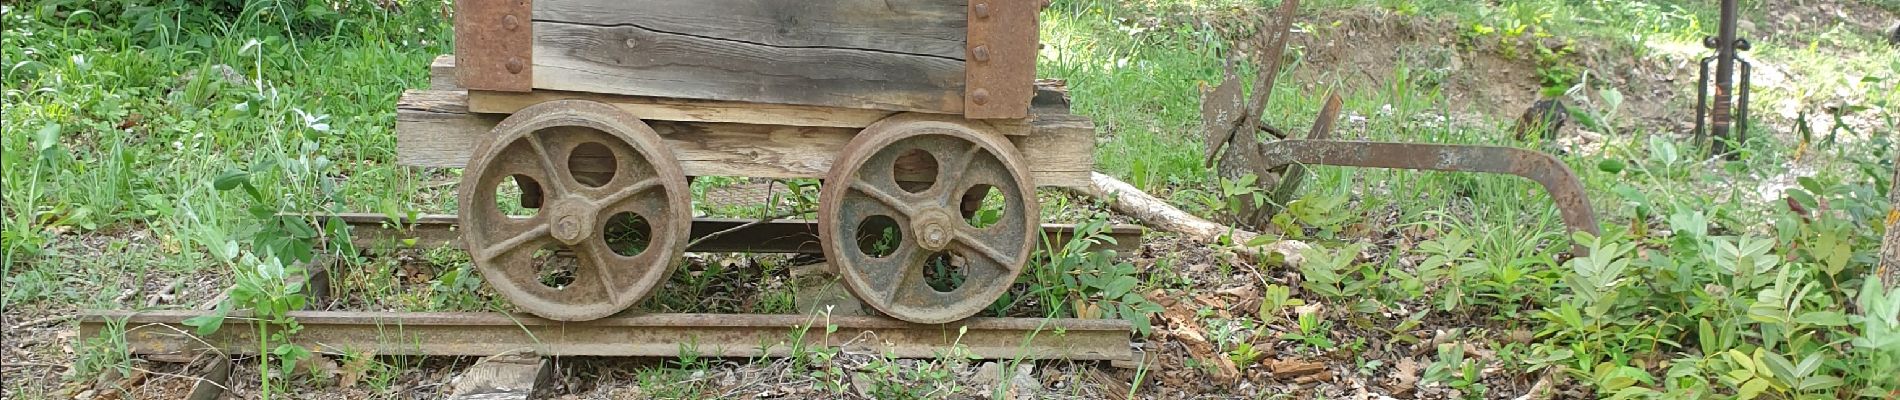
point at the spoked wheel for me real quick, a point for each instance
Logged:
(609, 193)
(896, 210)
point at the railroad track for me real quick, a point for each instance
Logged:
(642, 335)
(163, 333)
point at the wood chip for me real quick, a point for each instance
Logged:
(1189, 334)
(1295, 368)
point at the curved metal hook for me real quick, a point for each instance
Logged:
(1556, 177)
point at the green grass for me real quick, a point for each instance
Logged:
(113, 161)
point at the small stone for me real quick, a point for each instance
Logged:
(1024, 384)
(990, 373)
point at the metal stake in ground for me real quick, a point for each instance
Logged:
(1725, 110)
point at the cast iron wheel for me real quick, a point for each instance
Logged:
(897, 203)
(593, 170)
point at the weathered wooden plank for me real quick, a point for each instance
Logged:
(1051, 98)
(897, 55)
(920, 27)
(442, 73)
(625, 59)
(502, 377)
(668, 109)
(435, 129)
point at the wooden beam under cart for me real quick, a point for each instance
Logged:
(782, 236)
(435, 129)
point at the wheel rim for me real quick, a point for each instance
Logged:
(929, 220)
(595, 171)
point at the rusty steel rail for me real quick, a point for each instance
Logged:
(649, 335)
(1556, 177)
(780, 236)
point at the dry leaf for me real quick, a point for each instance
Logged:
(1405, 372)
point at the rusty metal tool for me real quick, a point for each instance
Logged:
(1730, 106)
(1558, 179)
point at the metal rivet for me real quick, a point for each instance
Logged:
(515, 65)
(982, 10)
(981, 53)
(980, 96)
(510, 22)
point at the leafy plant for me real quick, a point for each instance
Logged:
(1331, 273)
(1275, 298)
(1454, 370)
(1093, 282)
(1314, 332)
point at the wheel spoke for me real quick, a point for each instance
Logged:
(627, 192)
(557, 177)
(883, 197)
(905, 266)
(946, 187)
(593, 253)
(984, 250)
(540, 231)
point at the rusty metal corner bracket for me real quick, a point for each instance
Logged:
(494, 44)
(1000, 58)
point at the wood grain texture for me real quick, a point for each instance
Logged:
(920, 27)
(636, 61)
(442, 73)
(435, 129)
(1051, 99)
(897, 55)
(669, 109)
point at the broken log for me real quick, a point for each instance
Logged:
(1158, 214)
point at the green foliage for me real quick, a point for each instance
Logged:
(1334, 274)
(1313, 332)
(1454, 370)
(1093, 282)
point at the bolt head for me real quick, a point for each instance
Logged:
(510, 22)
(516, 65)
(981, 53)
(567, 228)
(980, 96)
(982, 10)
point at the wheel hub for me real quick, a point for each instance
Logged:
(573, 220)
(934, 228)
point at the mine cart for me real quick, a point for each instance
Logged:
(909, 111)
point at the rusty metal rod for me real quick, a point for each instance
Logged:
(1721, 113)
(781, 236)
(1556, 177)
(649, 335)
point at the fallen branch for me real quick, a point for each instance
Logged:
(1156, 213)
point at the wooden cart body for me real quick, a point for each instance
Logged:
(976, 58)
